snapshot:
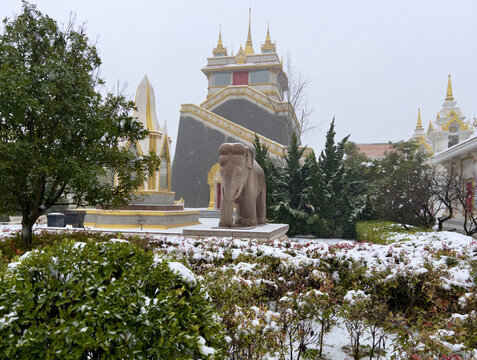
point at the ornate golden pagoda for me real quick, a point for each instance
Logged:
(268, 46)
(220, 50)
(248, 45)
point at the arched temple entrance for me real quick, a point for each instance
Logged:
(214, 180)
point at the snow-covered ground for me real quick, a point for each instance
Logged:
(449, 252)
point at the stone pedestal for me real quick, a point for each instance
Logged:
(263, 232)
(141, 217)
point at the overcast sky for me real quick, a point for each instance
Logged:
(371, 63)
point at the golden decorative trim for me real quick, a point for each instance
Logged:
(144, 226)
(164, 151)
(255, 95)
(148, 108)
(211, 176)
(456, 119)
(212, 173)
(163, 192)
(248, 67)
(138, 147)
(229, 126)
(152, 181)
(422, 141)
(237, 130)
(140, 212)
(250, 85)
(240, 57)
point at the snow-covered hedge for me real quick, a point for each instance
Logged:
(104, 300)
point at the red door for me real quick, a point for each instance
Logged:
(217, 195)
(240, 78)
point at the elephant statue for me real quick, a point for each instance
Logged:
(243, 185)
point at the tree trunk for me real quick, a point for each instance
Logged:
(27, 234)
(322, 333)
(443, 219)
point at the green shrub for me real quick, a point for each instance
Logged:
(103, 301)
(380, 232)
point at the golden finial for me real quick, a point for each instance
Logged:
(268, 46)
(419, 122)
(248, 45)
(431, 128)
(449, 96)
(281, 61)
(220, 50)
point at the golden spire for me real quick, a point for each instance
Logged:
(268, 46)
(220, 50)
(449, 96)
(248, 45)
(419, 122)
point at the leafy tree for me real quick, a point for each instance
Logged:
(404, 191)
(464, 189)
(361, 177)
(59, 136)
(446, 187)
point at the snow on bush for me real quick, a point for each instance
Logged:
(104, 300)
(264, 288)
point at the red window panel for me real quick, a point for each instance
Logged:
(469, 196)
(240, 78)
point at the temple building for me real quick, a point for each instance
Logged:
(153, 204)
(449, 128)
(245, 98)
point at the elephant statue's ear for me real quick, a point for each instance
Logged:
(249, 158)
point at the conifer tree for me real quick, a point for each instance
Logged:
(311, 175)
(272, 174)
(293, 179)
(335, 205)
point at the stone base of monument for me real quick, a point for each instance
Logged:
(141, 217)
(262, 232)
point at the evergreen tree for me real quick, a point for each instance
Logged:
(335, 206)
(272, 174)
(295, 183)
(311, 175)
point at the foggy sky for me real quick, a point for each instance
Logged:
(371, 63)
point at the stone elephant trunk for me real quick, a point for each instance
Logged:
(243, 185)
